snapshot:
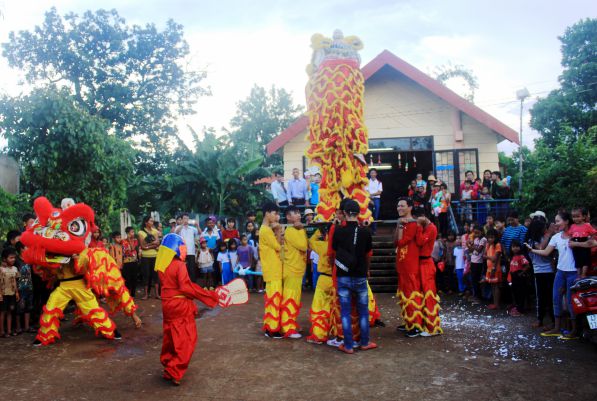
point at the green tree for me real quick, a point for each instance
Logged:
(561, 171)
(216, 178)
(12, 208)
(66, 152)
(570, 111)
(135, 77)
(259, 118)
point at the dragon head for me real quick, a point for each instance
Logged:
(57, 234)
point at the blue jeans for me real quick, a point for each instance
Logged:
(376, 206)
(563, 280)
(347, 288)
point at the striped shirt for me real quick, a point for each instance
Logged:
(511, 233)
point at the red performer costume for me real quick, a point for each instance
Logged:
(426, 236)
(178, 308)
(56, 247)
(409, 293)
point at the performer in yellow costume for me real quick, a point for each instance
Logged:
(323, 327)
(295, 263)
(56, 245)
(270, 237)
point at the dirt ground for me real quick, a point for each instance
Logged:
(482, 355)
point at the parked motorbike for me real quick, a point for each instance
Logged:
(584, 304)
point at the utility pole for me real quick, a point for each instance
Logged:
(521, 95)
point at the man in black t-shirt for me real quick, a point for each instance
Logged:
(352, 245)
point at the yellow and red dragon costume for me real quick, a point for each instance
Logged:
(338, 140)
(56, 247)
(337, 136)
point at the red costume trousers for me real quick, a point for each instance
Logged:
(180, 335)
(410, 297)
(430, 298)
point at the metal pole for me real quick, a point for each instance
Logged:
(520, 154)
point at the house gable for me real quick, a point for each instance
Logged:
(380, 65)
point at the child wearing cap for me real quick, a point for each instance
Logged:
(205, 260)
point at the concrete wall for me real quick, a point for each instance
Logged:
(9, 174)
(397, 107)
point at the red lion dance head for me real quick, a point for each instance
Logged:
(57, 234)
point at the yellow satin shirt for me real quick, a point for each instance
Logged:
(269, 254)
(295, 251)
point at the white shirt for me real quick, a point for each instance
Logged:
(189, 234)
(565, 255)
(314, 257)
(278, 192)
(374, 186)
(459, 258)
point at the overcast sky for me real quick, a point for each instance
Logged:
(508, 45)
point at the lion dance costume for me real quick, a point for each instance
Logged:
(178, 308)
(337, 134)
(410, 297)
(56, 245)
(430, 308)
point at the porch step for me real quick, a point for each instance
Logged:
(382, 274)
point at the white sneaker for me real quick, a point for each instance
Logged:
(295, 336)
(334, 342)
(424, 334)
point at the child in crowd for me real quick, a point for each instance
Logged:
(245, 260)
(115, 249)
(420, 181)
(449, 277)
(230, 232)
(466, 195)
(411, 189)
(251, 217)
(130, 260)
(476, 247)
(205, 261)
(252, 233)
(96, 239)
(581, 231)
(483, 207)
(493, 276)
(517, 277)
(227, 259)
(9, 291)
(25, 304)
(489, 224)
(500, 225)
(437, 254)
(459, 262)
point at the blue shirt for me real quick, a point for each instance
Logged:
(211, 239)
(314, 194)
(297, 189)
(278, 191)
(513, 233)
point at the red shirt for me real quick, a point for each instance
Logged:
(228, 234)
(584, 230)
(178, 292)
(518, 262)
(426, 239)
(407, 254)
(96, 244)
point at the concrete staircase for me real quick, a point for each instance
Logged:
(382, 277)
